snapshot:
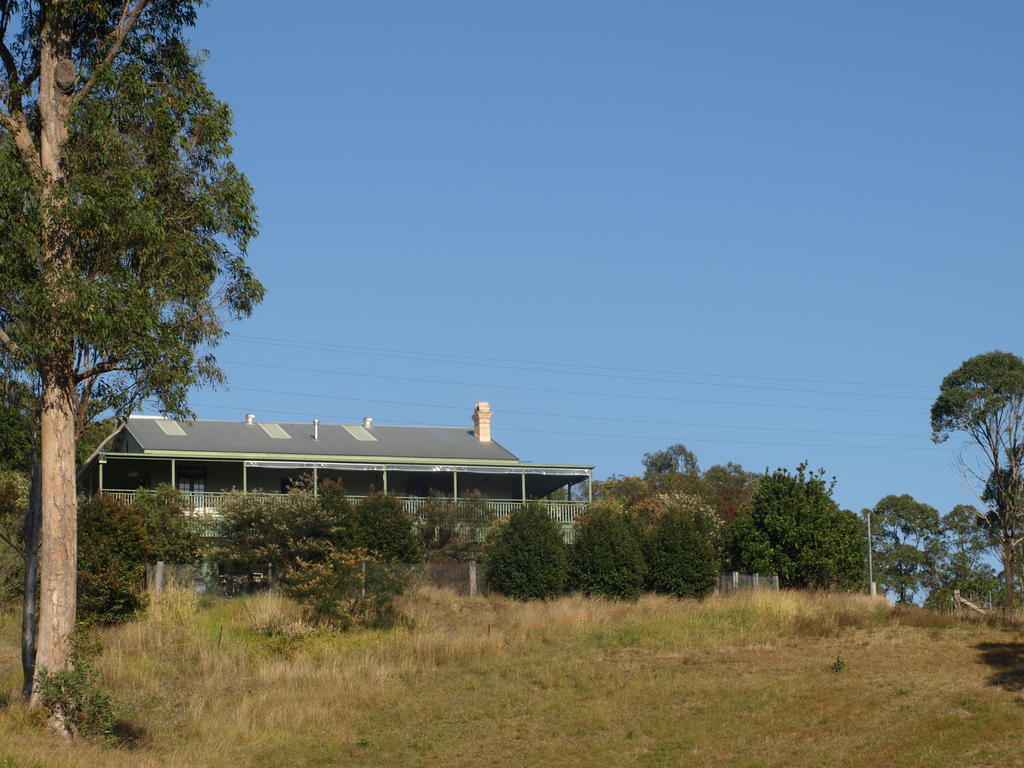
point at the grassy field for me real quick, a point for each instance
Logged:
(747, 680)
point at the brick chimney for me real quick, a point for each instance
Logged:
(482, 422)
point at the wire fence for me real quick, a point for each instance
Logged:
(466, 577)
(735, 581)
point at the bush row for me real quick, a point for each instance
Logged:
(615, 553)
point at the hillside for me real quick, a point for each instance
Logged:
(748, 680)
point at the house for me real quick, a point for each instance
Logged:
(208, 459)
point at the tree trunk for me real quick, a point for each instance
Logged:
(58, 553)
(59, 548)
(1008, 571)
(30, 602)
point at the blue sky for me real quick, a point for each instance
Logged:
(764, 230)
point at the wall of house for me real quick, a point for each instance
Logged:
(265, 480)
(220, 475)
(128, 474)
(492, 486)
(356, 483)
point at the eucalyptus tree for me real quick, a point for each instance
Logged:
(908, 539)
(123, 233)
(983, 400)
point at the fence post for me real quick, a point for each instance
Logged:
(159, 578)
(363, 586)
(735, 579)
(757, 580)
(472, 577)
(775, 582)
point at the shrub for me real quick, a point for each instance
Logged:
(680, 556)
(796, 530)
(525, 555)
(347, 588)
(386, 530)
(112, 556)
(450, 528)
(71, 698)
(605, 558)
(319, 545)
(296, 526)
(174, 535)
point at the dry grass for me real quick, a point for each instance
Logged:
(741, 680)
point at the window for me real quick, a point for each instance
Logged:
(192, 480)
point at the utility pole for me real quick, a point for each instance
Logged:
(871, 565)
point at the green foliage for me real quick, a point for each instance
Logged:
(965, 540)
(453, 529)
(526, 554)
(386, 530)
(283, 530)
(344, 563)
(93, 433)
(112, 555)
(13, 503)
(983, 399)
(795, 530)
(173, 535)
(906, 536)
(73, 698)
(605, 557)
(16, 425)
(127, 262)
(676, 459)
(727, 488)
(347, 588)
(838, 665)
(680, 554)
(115, 543)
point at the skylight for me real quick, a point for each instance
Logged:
(170, 427)
(275, 431)
(360, 433)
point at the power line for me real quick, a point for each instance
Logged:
(645, 437)
(420, 380)
(589, 368)
(618, 419)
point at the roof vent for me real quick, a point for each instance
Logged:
(250, 418)
(367, 422)
(316, 429)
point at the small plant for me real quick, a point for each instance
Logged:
(75, 703)
(838, 665)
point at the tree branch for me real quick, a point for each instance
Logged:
(125, 24)
(8, 342)
(18, 126)
(103, 444)
(10, 66)
(99, 369)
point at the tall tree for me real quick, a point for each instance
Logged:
(965, 542)
(676, 459)
(794, 529)
(908, 536)
(123, 230)
(983, 399)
